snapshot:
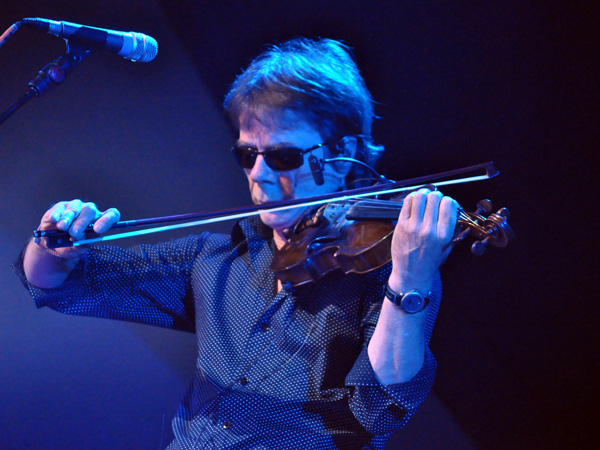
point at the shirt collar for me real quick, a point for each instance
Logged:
(250, 228)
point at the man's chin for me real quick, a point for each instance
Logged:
(280, 220)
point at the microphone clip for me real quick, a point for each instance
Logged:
(55, 73)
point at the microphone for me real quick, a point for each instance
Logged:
(316, 167)
(129, 45)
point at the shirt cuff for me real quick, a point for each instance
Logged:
(362, 374)
(44, 297)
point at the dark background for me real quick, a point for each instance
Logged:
(457, 83)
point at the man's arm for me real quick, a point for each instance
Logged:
(420, 244)
(145, 283)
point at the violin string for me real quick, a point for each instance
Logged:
(377, 205)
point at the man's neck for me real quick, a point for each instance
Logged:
(279, 239)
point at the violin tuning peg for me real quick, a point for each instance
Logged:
(485, 206)
(503, 212)
(478, 247)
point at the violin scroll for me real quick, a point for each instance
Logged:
(492, 230)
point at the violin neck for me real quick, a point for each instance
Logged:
(374, 210)
(383, 210)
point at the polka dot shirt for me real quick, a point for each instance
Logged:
(275, 370)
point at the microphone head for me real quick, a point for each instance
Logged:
(145, 48)
(316, 167)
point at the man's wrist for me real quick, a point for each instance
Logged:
(44, 269)
(49, 251)
(411, 302)
(399, 282)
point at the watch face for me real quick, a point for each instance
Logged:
(412, 302)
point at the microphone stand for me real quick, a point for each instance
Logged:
(50, 76)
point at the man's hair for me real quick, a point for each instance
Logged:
(316, 79)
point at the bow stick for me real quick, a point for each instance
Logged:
(57, 238)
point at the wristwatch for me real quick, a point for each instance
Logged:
(411, 302)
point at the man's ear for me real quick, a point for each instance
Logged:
(347, 146)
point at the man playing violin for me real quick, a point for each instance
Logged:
(339, 363)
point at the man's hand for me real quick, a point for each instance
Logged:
(73, 217)
(49, 268)
(421, 239)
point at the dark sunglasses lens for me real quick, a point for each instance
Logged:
(245, 156)
(285, 158)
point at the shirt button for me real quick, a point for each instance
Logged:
(264, 327)
(226, 424)
(243, 381)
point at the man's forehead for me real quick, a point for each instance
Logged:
(273, 120)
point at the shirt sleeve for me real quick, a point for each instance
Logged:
(384, 409)
(147, 284)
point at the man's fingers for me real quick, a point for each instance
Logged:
(75, 216)
(54, 213)
(432, 207)
(70, 212)
(405, 211)
(87, 214)
(417, 209)
(448, 216)
(107, 220)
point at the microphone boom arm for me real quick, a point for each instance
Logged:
(50, 76)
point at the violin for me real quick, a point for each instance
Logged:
(348, 232)
(355, 236)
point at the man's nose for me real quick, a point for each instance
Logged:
(260, 171)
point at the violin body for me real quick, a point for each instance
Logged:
(352, 247)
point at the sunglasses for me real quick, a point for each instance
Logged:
(277, 158)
